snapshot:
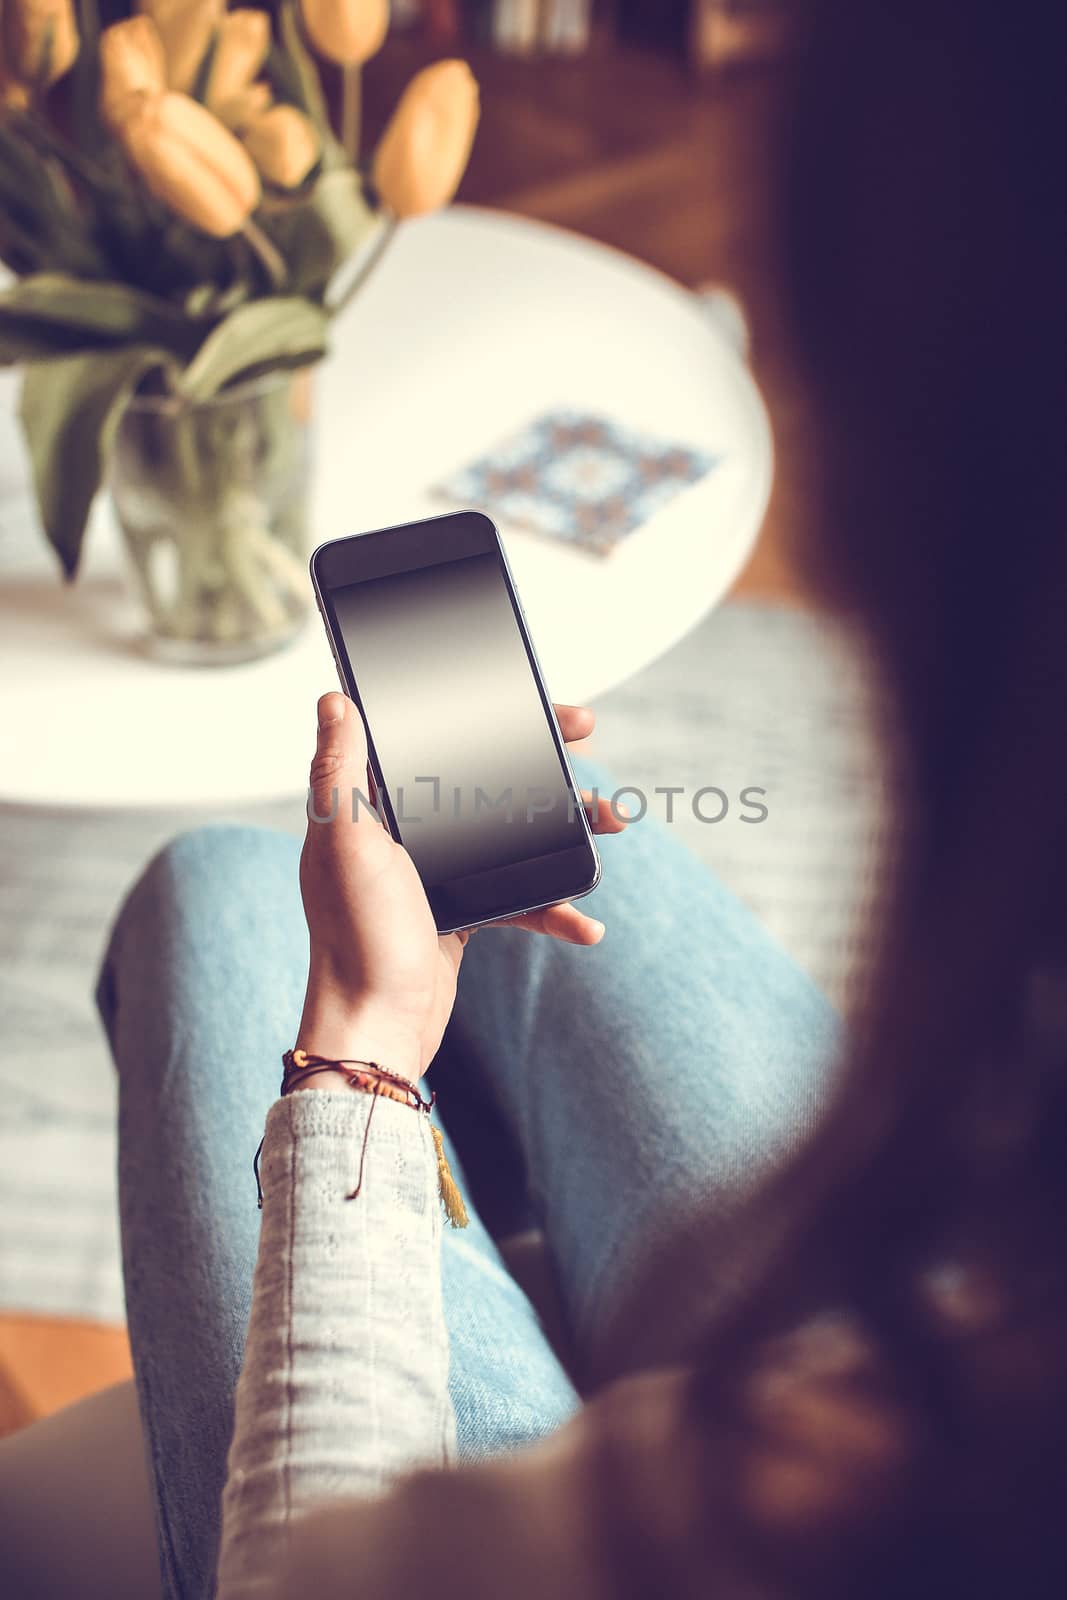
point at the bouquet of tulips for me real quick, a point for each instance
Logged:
(180, 213)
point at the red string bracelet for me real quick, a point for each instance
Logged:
(370, 1077)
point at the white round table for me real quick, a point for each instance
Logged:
(476, 323)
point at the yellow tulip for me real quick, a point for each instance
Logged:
(424, 150)
(244, 107)
(186, 28)
(40, 39)
(132, 64)
(346, 31)
(191, 162)
(241, 47)
(283, 145)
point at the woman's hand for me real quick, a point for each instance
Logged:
(382, 981)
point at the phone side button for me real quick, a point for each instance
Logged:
(337, 668)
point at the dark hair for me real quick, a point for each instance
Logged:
(924, 254)
(927, 265)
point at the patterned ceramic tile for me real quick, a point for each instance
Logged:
(580, 478)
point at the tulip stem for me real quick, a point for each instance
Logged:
(350, 108)
(268, 255)
(372, 260)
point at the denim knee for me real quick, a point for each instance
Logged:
(187, 883)
(215, 859)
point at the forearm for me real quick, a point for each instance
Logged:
(345, 1378)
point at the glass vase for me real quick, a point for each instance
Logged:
(212, 500)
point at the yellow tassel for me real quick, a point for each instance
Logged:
(451, 1199)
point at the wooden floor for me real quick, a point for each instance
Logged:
(49, 1362)
(629, 150)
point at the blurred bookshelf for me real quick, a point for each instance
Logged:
(621, 139)
(709, 34)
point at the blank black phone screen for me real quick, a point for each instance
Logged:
(455, 714)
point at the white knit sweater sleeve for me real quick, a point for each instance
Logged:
(345, 1378)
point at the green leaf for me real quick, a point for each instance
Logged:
(86, 125)
(69, 313)
(282, 330)
(37, 343)
(40, 223)
(70, 411)
(160, 253)
(318, 234)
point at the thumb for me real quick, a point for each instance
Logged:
(339, 768)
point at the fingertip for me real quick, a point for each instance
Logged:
(576, 722)
(331, 708)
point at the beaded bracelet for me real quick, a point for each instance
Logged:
(369, 1077)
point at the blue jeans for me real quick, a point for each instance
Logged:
(646, 1081)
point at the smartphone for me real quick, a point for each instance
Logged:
(470, 768)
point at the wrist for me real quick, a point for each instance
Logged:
(344, 1029)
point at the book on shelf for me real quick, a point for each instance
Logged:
(442, 19)
(517, 26)
(405, 14)
(529, 27)
(566, 25)
(479, 20)
(725, 32)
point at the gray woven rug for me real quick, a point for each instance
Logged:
(756, 697)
